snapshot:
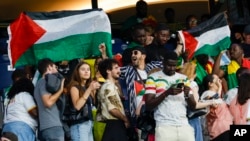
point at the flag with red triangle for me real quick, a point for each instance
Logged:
(58, 35)
(139, 88)
(209, 37)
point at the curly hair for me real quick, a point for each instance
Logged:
(21, 85)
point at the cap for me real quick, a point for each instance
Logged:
(247, 29)
(141, 49)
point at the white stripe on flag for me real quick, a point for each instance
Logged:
(213, 36)
(91, 22)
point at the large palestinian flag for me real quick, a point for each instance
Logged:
(209, 37)
(58, 35)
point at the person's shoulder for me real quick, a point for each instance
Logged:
(156, 75)
(180, 75)
(108, 84)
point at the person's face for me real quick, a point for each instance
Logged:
(192, 22)
(214, 84)
(163, 36)
(137, 57)
(52, 68)
(140, 36)
(170, 67)
(115, 72)
(236, 52)
(84, 71)
(247, 38)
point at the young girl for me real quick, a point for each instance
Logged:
(82, 91)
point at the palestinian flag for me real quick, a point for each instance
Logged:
(209, 37)
(58, 35)
(139, 88)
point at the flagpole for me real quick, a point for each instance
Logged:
(94, 4)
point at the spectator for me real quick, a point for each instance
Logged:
(169, 102)
(110, 108)
(138, 39)
(20, 112)
(156, 50)
(239, 106)
(50, 125)
(237, 61)
(230, 94)
(137, 72)
(141, 13)
(16, 75)
(219, 118)
(189, 70)
(191, 22)
(82, 92)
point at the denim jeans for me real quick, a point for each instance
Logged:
(82, 131)
(23, 131)
(196, 124)
(52, 134)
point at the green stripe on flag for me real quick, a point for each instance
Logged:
(68, 48)
(214, 49)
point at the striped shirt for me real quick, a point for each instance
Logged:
(173, 109)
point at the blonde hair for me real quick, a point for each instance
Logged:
(188, 69)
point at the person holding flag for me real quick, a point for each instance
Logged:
(229, 71)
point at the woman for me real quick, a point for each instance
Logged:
(21, 111)
(82, 93)
(240, 105)
(189, 70)
(219, 117)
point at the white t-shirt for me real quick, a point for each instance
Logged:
(144, 76)
(17, 109)
(173, 109)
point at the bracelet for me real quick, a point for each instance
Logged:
(180, 44)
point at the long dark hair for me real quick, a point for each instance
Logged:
(21, 85)
(244, 88)
(76, 79)
(206, 80)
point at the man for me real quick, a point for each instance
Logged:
(169, 102)
(229, 71)
(157, 49)
(132, 78)
(50, 126)
(138, 39)
(110, 108)
(141, 13)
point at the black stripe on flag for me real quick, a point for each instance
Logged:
(57, 14)
(216, 21)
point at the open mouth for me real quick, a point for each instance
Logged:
(134, 59)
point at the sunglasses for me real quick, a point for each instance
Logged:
(135, 52)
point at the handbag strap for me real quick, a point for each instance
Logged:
(139, 77)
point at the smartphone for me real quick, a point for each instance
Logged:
(178, 85)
